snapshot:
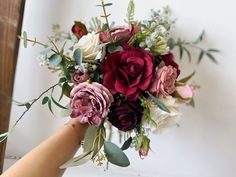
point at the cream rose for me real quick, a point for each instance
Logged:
(89, 46)
(165, 120)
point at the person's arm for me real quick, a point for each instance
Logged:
(45, 159)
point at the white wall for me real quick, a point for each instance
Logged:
(204, 145)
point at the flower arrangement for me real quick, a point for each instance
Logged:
(118, 77)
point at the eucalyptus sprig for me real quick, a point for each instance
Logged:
(184, 46)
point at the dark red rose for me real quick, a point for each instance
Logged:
(169, 60)
(125, 114)
(128, 72)
(79, 29)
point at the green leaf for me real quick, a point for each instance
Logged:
(25, 39)
(66, 89)
(188, 53)
(45, 100)
(3, 136)
(54, 60)
(191, 103)
(200, 38)
(181, 51)
(200, 56)
(56, 103)
(159, 103)
(78, 56)
(46, 50)
(115, 155)
(127, 143)
(213, 50)
(186, 79)
(211, 57)
(63, 79)
(50, 106)
(94, 139)
(113, 48)
(79, 160)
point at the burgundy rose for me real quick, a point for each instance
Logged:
(79, 77)
(169, 60)
(119, 34)
(125, 114)
(79, 29)
(164, 80)
(90, 103)
(128, 72)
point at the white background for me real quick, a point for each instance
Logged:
(204, 145)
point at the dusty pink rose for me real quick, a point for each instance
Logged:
(185, 91)
(90, 102)
(79, 77)
(119, 34)
(163, 81)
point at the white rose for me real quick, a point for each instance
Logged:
(89, 46)
(165, 120)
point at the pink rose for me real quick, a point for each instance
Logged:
(119, 34)
(185, 91)
(90, 102)
(79, 77)
(163, 81)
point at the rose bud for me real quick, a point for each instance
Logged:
(79, 29)
(125, 114)
(142, 144)
(79, 77)
(185, 91)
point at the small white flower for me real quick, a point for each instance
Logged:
(88, 44)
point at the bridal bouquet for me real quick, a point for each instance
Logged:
(118, 78)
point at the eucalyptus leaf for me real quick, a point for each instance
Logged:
(171, 43)
(79, 160)
(54, 60)
(115, 155)
(127, 144)
(46, 50)
(159, 103)
(78, 56)
(113, 48)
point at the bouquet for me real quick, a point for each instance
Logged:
(118, 77)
